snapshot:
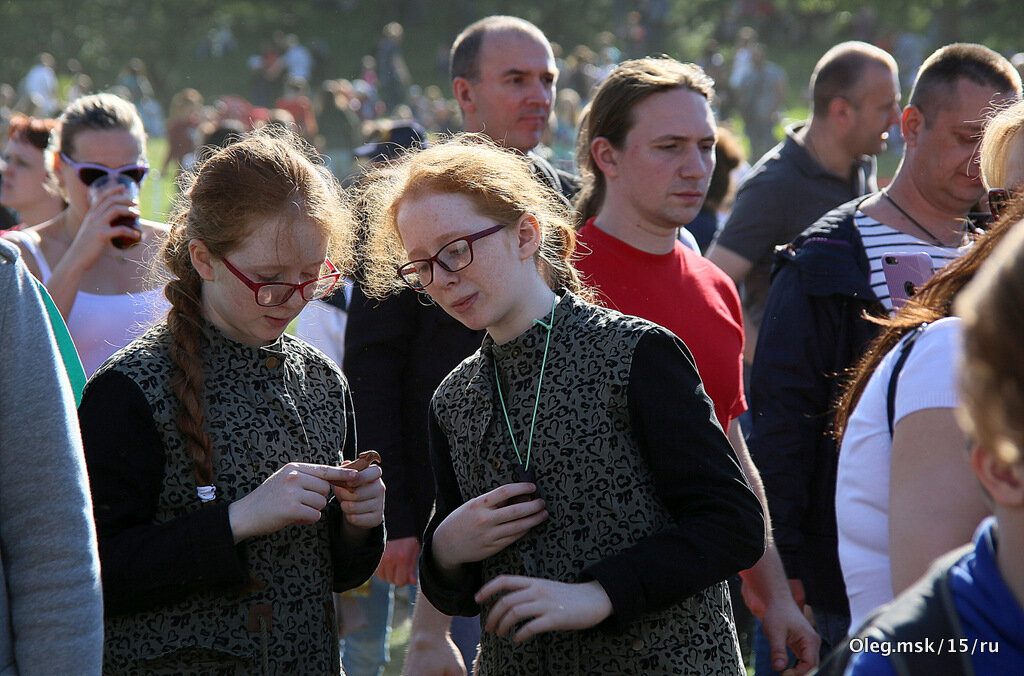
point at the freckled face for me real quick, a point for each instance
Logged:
(483, 294)
(274, 251)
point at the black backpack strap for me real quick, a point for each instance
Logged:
(905, 347)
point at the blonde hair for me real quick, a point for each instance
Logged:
(500, 183)
(992, 364)
(1002, 132)
(269, 173)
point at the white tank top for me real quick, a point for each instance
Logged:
(101, 324)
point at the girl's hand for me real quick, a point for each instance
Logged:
(96, 233)
(362, 498)
(296, 493)
(485, 525)
(543, 605)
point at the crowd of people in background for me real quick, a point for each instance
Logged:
(289, 85)
(679, 400)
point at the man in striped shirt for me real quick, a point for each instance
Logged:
(814, 326)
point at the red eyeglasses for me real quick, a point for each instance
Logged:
(272, 294)
(89, 173)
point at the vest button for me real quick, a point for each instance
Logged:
(638, 644)
(515, 352)
(273, 362)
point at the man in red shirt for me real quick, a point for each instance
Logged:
(647, 152)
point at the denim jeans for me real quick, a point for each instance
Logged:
(365, 652)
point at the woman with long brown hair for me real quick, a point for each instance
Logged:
(904, 492)
(215, 443)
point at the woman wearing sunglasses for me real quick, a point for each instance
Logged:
(101, 290)
(215, 443)
(581, 477)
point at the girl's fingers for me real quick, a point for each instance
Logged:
(365, 507)
(367, 492)
(518, 613)
(537, 625)
(500, 584)
(507, 610)
(500, 495)
(513, 530)
(314, 500)
(306, 514)
(519, 510)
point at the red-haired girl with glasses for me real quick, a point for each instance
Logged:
(216, 444)
(588, 505)
(102, 291)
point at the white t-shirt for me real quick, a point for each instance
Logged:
(928, 380)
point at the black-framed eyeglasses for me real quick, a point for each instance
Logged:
(272, 294)
(999, 199)
(453, 256)
(89, 173)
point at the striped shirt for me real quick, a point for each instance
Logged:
(880, 239)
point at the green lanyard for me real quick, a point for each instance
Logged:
(536, 401)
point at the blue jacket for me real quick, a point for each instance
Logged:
(813, 330)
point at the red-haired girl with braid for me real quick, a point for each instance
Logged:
(216, 445)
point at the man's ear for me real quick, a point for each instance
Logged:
(529, 236)
(462, 89)
(839, 110)
(911, 124)
(202, 259)
(606, 157)
(1003, 481)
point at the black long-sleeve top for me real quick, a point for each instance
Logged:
(147, 564)
(397, 351)
(718, 526)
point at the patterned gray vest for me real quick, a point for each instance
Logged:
(596, 487)
(264, 407)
